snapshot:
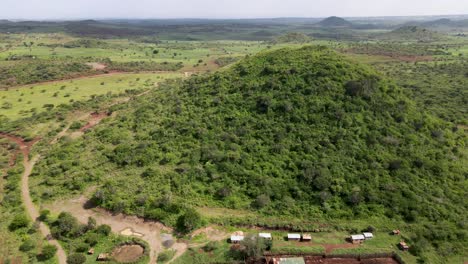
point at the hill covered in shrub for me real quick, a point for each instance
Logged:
(301, 133)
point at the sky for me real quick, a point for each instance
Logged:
(78, 9)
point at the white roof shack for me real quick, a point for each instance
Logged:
(294, 236)
(237, 238)
(265, 235)
(357, 237)
(368, 235)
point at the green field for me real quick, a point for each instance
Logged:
(24, 101)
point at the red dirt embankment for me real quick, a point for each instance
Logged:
(24, 146)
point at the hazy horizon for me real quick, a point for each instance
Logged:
(227, 9)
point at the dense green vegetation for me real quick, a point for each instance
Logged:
(20, 236)
(303, 133)
(440, 88)
(32, 71)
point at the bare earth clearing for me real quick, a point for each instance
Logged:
(150, 231)
(128, 253)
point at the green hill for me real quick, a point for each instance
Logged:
(335, 22)
(299, 133)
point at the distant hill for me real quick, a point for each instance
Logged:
(440, 24)
(335, 22)
(412, 33)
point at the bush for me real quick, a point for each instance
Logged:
(19, 221)
(164, 256)
(76, 258)
(189, 221)
(212, 245)
(48, 252)
(104, 230)
(27, 245)
(92, 239)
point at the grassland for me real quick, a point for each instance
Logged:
(25, 101)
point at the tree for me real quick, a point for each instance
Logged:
(190, 220)
(19, 221)
(103, 229)
(254, 246)
(92, 239)
(262, 201)
(48, 252)
(27, 245)
(65, 225)
(91, 224)
(76, 258)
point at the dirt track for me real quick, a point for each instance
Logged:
(32, 211)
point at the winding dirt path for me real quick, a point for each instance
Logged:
(25, 148)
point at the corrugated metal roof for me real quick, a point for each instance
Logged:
(292, 261)
(237, 238)
(294, 236)
(264, 235)
(357, 237)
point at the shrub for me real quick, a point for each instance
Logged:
(92, 239)
(76, 258)
(190, 220)
(19, 221)
(27, 245)
(104, 230)
(212, 245)
(48, 252)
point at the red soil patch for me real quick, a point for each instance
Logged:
(95, 119)
(128, 253)
(24, 146)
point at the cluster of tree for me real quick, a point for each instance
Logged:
(303, 133)
(27, 72)
(439, 88)
(292, 37)
(224, 61)
(135, 66)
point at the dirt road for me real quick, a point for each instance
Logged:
(24, 148)
(32, 210)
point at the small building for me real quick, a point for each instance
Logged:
(237, 237)
(265, 235)
(403, 246)
(292, 260)
(294, 237)
(91, 251)
(396, 232)
(357, 239)
(306, 237)
(368, 235)
(102, 257)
